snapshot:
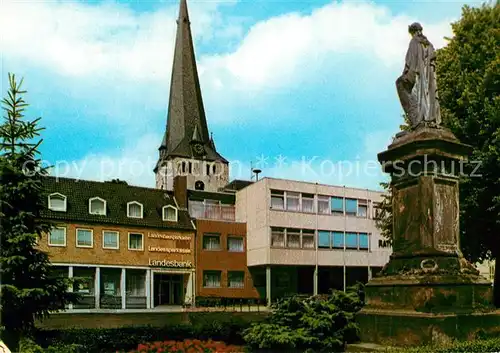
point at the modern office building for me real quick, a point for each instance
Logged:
(309, 238)
(132, 246)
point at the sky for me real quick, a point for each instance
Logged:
(300, 89)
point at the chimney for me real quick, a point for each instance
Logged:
(180, 191)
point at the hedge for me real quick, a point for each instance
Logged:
(104, 340)
(475, 346)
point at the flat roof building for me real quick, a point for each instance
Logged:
(309, 238)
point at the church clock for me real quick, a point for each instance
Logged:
(198, 149)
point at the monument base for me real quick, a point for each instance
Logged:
(411, 328)
(427, 293)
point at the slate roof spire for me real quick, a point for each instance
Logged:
(186, 114)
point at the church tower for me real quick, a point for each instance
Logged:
(186, 148)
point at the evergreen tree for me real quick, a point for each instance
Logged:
(29, 288)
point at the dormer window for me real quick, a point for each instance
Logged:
(97, 206)
(170, 213)
(57, 202)
(134, 209)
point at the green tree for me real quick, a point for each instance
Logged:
(29, 287)
(384, 213)
(468, 73)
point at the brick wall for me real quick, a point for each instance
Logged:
(122, 256)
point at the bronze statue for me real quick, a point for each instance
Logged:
(417, 88)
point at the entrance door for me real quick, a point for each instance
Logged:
(167, 289)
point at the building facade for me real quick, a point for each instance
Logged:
(187, 149)
(220, 248)
(309, 238)
(131, 247)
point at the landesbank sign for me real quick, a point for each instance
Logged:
(170, 263)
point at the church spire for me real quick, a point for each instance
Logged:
(186, 113)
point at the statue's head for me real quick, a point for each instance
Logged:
(415, 28)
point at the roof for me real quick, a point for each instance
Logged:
(186, 120)
(237, 185)
(327, 185)
(117, 195)
(224, 198)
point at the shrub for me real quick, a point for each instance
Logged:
(27, 345)
(320, 324)
(187, 346)
(477, 346)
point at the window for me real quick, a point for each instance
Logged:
(135, 241)
(377, 211)
(383, 243)
(337, 205)
(323, 204)
(293, 238)
(110, 282)
(214, 169)
(84, 238)
(236, 279)
(110, 239)
(86, 280)
(351, 240)
(57, 202)
(364, 241)
(134, 209)
(97, 206)
(362, 208)
(323, 239)
(211, 242)
(277, 200)
(235, 244)
(136, 283)
(170, 213)
(57, 236)
(183, 167)
(338, 240)
(351, 207)
(308, 239)
(292, 201)
(190, 168)
(208, 169)
(277, 237)
(308, 203)
(211, 279)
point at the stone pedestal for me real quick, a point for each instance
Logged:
(428, 292)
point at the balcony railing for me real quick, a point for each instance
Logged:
(218, 212)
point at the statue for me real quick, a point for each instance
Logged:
(417, 88)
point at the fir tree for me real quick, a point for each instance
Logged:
(29, 288)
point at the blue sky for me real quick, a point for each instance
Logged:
(302, 89)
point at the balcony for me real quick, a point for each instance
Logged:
(199, 210)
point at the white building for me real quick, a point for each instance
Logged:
(309, 238)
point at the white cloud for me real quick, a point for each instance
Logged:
(275, 52)
(108, 39)
(111, 40)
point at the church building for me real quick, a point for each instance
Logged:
(187, 149)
